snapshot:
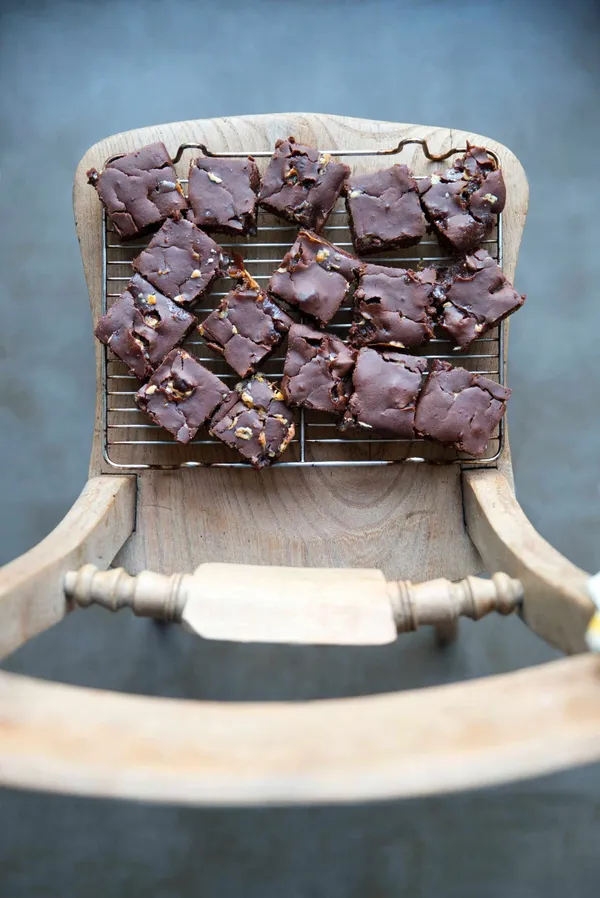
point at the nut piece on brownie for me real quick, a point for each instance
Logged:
(386, 387)
(181, 261)
(139, 190)
(301, 184)
(246, 327)
(462, 203)
(474, 296)
(393, 307)
(223, 194)
(143, 326)
(384, 210)
(315, 276)
(317, 370)
(460, 408)
(255, 421)
(181, 395)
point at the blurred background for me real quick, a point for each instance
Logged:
(525, 73)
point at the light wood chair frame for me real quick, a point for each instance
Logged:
(413, 522)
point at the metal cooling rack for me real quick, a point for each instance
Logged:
(132, 441)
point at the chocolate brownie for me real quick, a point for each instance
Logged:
(384, 210)
(386, 386)
(301, 184)
(462, 203)
(181, 395)
(474, 296)
(460, 408)
(143, 326)
(181, 261)
(393, 307)
(246, 327)
(317, 370)
(222, 194)
(139, 190)
(255, 421)
(315, 276)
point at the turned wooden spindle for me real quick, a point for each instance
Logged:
(261, 604)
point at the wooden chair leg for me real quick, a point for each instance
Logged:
(446, 634)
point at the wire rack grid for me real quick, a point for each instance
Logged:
(132, 441)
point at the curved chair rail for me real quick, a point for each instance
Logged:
(66, 739)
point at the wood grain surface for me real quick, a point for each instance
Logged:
(89, 742)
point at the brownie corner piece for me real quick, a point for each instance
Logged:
(255, 421)
(393, 307)
(181, 395)
(460, 408)
(181, 261)
(384, 210)
(385, 390)
(139, 190)
(223, 194)
(143, 326)
(463, 202)
(315, 276)
(317, 370)
(246, 327)
(302, 184)
(474, 296)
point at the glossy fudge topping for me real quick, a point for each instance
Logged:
(139, 190)
(301, 184)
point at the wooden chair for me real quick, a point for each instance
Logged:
(307, 526)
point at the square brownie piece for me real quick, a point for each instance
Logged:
(386, 386)
(143, 326)
(393, 307)
(460, 408)
(384, 210)
(301, 184)
(315, 276)
(475, 296)
(462, 203)
(139, 190)
(223, 194)
(255, 421)
(317, 370)
(181, 395)
(246, 327)
(181, 261)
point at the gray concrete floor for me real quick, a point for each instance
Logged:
(525, 73)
